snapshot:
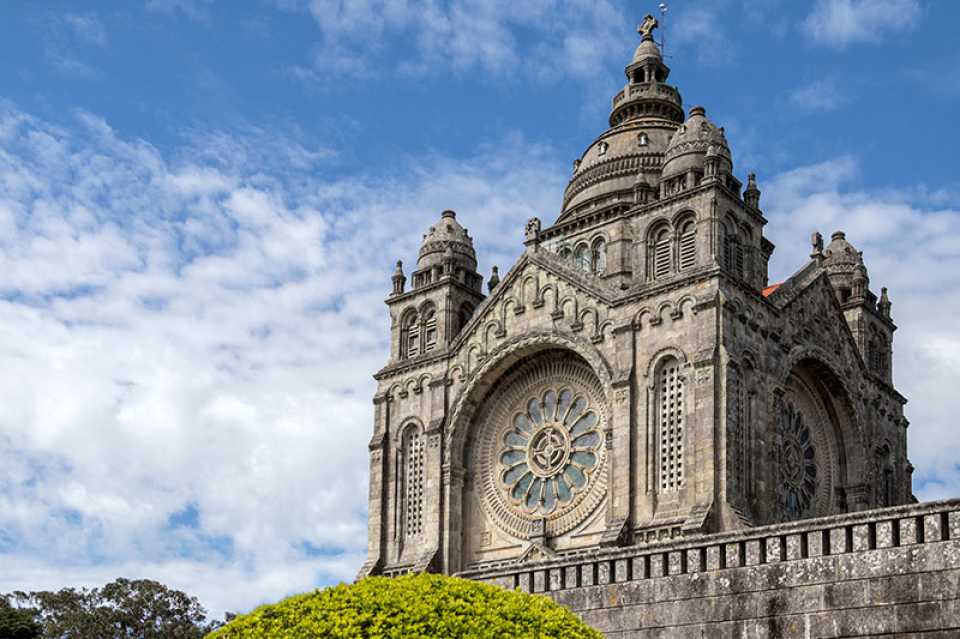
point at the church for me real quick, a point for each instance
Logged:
(636, 421)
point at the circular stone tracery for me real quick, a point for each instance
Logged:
(550, 451)
(798, 464)
(539, 453)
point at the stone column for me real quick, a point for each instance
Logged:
(377, 520)
(619, 442)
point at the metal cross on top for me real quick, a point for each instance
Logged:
(646, 27)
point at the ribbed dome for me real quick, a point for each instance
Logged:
(447, 236)
(691, 143)
(647, 50)
(612, 163)
(840, 255)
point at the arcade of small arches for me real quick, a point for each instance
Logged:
(589, 257)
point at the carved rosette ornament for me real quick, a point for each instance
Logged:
(540, 447)
(798, 464)
(805, 466)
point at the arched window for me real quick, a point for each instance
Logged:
(883, 470)
(732, 254)
(687, 249)
(429, 329)
(598, 256)
(661, 254)
(564, 252)
(411, 474)
(581, 257)
(670, 425)
(410, 335)
(466, 312)
(744, 251)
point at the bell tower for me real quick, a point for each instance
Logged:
(446, 289)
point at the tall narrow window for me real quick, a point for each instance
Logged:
(883, 471)
(670, 425)
(429, 331)
(466, 312)
(661, 254)
(598, 256)
(410, 336)
(581, 257)
(412, 459)
(735, 430)
(688, 245)
(729, 249)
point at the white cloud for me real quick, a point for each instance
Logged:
(698, 30)
(465, 36)
(820, 96)
(842, 22)
(188, 347)
(65, 38)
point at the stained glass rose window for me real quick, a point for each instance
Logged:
(549, 451)
(798, 464)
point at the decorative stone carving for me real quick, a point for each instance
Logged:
(539, 451)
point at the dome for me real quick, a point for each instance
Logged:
(647, 50)
(447, 237)
(840, 256)
(614, 161)
(693, 141)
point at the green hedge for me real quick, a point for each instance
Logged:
(410, 607)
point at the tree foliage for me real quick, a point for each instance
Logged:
(410, 607)
(18, 623)
(121, 609)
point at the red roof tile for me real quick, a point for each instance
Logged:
(767, 292)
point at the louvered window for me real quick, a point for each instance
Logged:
(410, 336)
(661, 255)
(670, 426)
(688, 246)
(429, 332)
(412, 462)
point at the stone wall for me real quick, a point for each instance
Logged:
(892, 572)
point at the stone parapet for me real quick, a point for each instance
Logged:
(888, 572)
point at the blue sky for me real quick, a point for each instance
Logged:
(201, 203)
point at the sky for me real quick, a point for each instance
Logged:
(201, 204)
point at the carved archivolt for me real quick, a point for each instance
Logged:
(538, 449)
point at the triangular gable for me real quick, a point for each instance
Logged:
(592, 293)
(806, 301)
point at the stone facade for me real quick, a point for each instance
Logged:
(634, 379)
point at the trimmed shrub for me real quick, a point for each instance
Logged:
(410, 607)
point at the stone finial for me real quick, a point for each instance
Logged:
(399, 279)
(884, 306)
(494, 279)
(576, 165)
(532, 231)
(860, 280)
(751, 196)
(816, 240)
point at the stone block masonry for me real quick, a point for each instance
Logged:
(888, 573)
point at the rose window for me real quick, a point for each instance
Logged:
(549, 451)
(798, 467)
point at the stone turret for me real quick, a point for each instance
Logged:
(446, 288)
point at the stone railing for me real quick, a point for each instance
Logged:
(829, 536)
